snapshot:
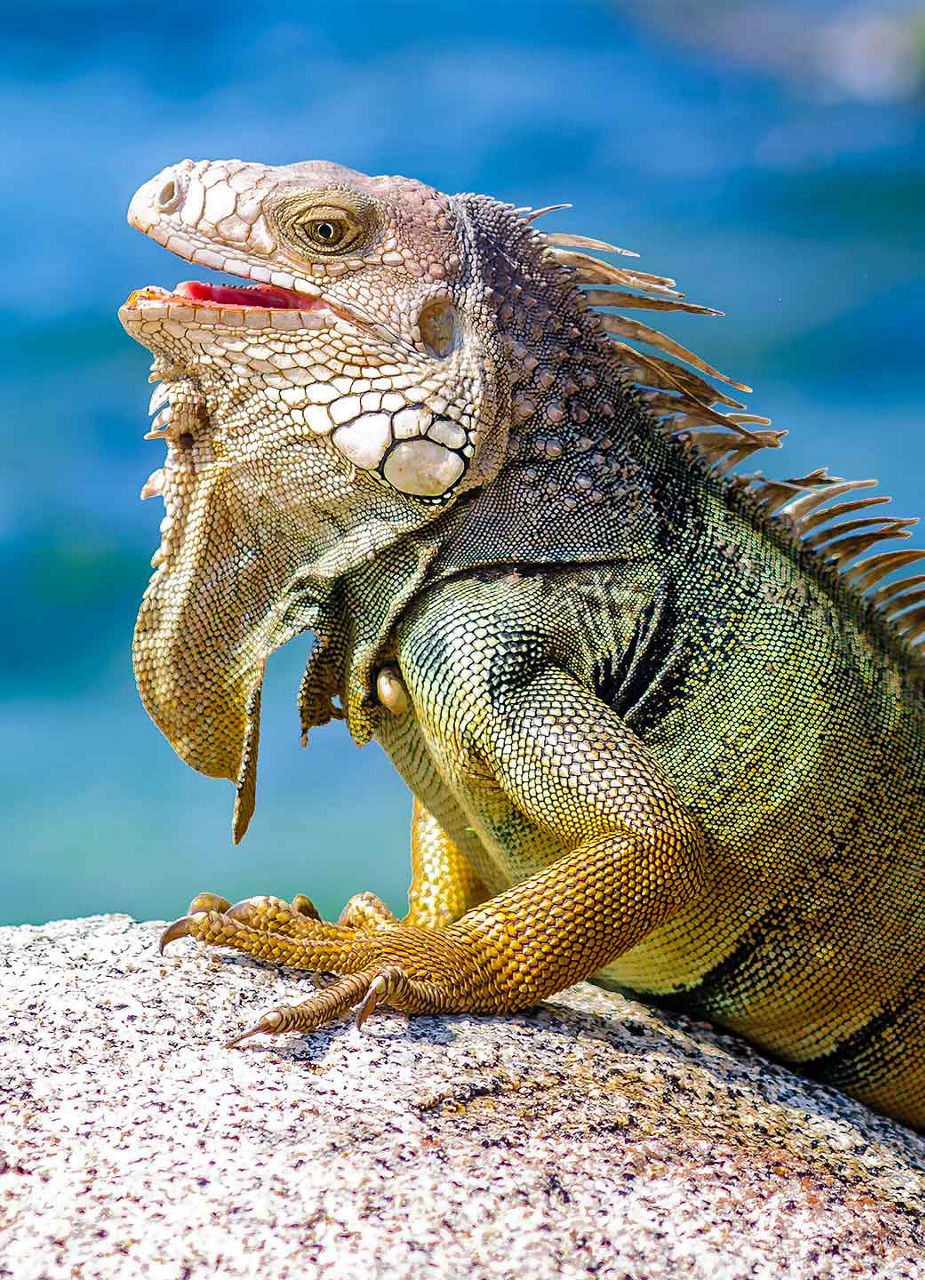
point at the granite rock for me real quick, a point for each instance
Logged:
(589, 1137)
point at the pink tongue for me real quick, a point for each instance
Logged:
(265, 296)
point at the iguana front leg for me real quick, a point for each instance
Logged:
(443, 884)
(573, 770)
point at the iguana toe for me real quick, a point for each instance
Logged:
(267, 914)
(207, 902)
(363, 991)
(366, 911)
(305, 907)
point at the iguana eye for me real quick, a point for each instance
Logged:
(325, 233)
(330, 232)
(316, 226)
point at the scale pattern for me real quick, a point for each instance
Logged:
(663, 723)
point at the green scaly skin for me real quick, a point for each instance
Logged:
(653, 738)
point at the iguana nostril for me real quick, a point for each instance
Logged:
(169, 196)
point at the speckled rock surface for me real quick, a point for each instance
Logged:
(588, 1138)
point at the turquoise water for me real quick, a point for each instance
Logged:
(778, 171)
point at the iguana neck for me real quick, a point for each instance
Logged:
(353, 633)
(607, 502)
(585, 478)
(585, 475)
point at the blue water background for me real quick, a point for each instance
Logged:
(778, 170)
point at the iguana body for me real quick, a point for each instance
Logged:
(656, 731)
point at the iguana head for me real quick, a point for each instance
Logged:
(339, 396)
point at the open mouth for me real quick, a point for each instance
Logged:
(227, 304)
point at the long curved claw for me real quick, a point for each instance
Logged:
(207, 902)
(377, 989)
(179, 929)
(267, 1025)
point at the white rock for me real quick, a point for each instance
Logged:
(590, 1137)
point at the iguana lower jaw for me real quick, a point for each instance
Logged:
(224, 306)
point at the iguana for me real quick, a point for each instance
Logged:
(663, 722)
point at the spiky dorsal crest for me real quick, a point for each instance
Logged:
(684, 406)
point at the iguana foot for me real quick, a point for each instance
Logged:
(378, 959)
